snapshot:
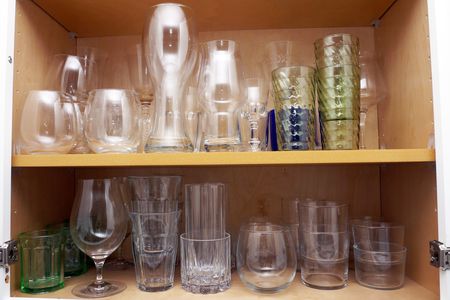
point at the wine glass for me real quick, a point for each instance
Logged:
(254, 108)
(48, 123)
(373, 90)
(170, 46)
(98, 225)
(142, 85)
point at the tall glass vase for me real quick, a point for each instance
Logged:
(171, 50)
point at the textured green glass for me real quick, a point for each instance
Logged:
(337, 39)
(340, 134)
(342, 70)
(294, 94)
(41, 261)
(336, 60)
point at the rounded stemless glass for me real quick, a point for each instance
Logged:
(112, 121)
(98, 225)
(48, 123)
(266, 257)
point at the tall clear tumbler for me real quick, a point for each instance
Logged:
(324, 244)
(155, 188)
(221, 94)
(155, 243)
(170, 45)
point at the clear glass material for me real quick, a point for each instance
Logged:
(221, 94)
(254, 107)
(373, 234)
(205, 264)
(75, 261)
(155, 243)
(41, 261)
(373, 89)
(98, 225)
(48, 123)
(112, 121)
(380, 267)
(170, 45)
(262, 132)
(155, 188)
(266, 258)
(74, 76)
(142, 85)
(205, 209)
(324, 244)
(294, 95)
(282, 54)
(338, 77)
(290, 216)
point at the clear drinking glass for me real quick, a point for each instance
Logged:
(98, 224)
(142, 85)
(368, 233)
(266, 257)
(373, 89)
(170, 44)
(112, 121)
(205, 209)
(221, 94)
(155, 243)
(324, 244)
(254, 107)
(48, 123)
(41, 261)
(205, 264)
(155, 188)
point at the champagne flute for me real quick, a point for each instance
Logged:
(98, 225)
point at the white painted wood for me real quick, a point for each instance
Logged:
(7, 20)
(439, 21)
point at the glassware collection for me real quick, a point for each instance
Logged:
(314, 241)
(173, 93)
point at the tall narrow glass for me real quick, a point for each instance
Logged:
(98, 225)
(171, 50)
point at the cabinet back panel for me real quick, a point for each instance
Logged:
(402, 44)
(38, 37)
(408, 196)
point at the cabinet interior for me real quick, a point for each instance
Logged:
(403, 193)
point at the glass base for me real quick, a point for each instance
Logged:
(324, 281)
(168, 145)
(268, 290)
(43, 290)
(206, 289)
(91, 290)
(154, 288)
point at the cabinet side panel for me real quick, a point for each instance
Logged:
(408, 196)
(38, 37)
(403, 48)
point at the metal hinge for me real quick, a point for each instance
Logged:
(439, 255)
(9, 253)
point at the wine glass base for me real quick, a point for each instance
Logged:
(88, 290)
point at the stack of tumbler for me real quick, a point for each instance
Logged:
(154, 214)
(379, 254)
(338, 75)
(324, 244)
(205, 246)
(294, 95)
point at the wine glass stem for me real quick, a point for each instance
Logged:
(146, 122)
(254, 140)
(362, 129)
(99, 271)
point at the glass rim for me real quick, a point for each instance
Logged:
(402, 249)
(190, 9)
(226, 237)
(188, 185)
(322, 203)
(273, 227)
(348, 38)
(388, 225)
(46, 233)
(153, 176)
(175, 212)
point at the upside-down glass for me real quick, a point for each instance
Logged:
(41, 261)
(221, 94)
(98, 224)
(142, 85)
(112, 121)
(324, 244)
(155, 243)
(48, 123)
(170, 44)
(266, 258)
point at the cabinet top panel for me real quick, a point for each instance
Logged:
(123, 17)
(226, 158)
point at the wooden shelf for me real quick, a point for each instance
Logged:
(89, 18)
(226, 158)
(410, 291)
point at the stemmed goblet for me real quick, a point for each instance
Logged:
(98, 225)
